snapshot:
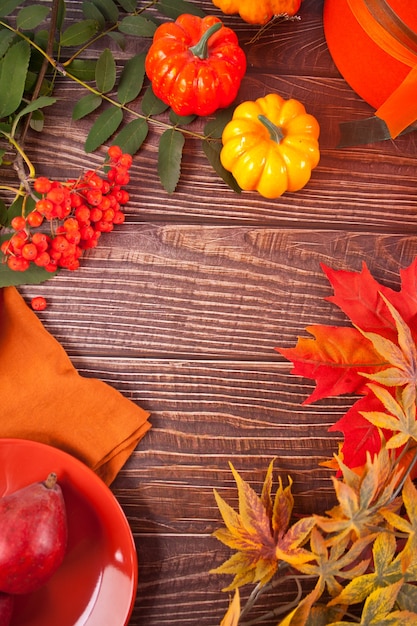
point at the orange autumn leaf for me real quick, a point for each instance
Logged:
(380, 348)
(334, 359)
(260, 533)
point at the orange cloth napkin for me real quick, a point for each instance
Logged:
(44, 398)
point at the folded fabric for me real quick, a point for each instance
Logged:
(44, 398)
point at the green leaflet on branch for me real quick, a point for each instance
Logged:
(169, 158)
(174, 8)
(86, 105)
(132, 136)
(103, 128)
(105, 75)
(79, 33)
(109, 10)
(31, 16)
(212, 152)
(13, 70)
(137, 25)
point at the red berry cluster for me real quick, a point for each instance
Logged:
(78, 211)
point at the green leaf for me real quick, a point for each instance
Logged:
(6, 37)
(181, 120)
(37, 121)
(103, 128)
(138, 26)
(91, 12)
(31, 16)
(132, 136)
(86, 105)
(174, 8)
(128, 5)
(169, 158)
(32, 276)
(119, 38)
(105, 71)
(7, 6)
(62, 10)
(212, 152)
(151, 105)
(109, 9)
(131, 79)
(39, 103)
(13, 72)
(83, 69)
(214, 128)
(79, 33)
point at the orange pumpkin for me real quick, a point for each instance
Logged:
(258, 11)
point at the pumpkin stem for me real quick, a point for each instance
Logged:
(201, 47)
(275, 132)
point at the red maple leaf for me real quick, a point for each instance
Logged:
(338, 357)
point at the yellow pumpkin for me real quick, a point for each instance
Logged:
(258, 11)
(271, 145)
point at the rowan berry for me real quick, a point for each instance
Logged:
(119, 217)
(70, 224)
(108, 215)
(114, 153)
(18, 263)
(126, 160)
(41, 241)
(6, 247)
(60, 243)
(82, 214)
(42, 184)
(96, 214)
(29, 251)
(38, 303)
(35, 219)
(94, 197)
(18, 240)
(42, 259)
(18, 223)
(45, 207)
(56, 195)
(52, 266)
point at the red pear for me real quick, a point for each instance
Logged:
(6, 608)
(33, 536)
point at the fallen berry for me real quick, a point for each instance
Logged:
(38, 303)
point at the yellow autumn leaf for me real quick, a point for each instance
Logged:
(233, 612)
(300, 615)
(260, 533)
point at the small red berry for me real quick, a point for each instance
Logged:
(18, 264)
(18, 223)
(42, 260)
(42, 184)
(29, 251)
(126, 160)
(114, 153)
(35, 219)
(38, 303)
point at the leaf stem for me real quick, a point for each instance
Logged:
(278, 610)
(21, 153)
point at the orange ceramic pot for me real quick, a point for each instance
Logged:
(374, 46)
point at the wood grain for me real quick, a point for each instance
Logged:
(180, 309)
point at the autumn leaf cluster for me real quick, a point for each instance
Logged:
(361, 554)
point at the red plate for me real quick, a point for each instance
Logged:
(96, 584)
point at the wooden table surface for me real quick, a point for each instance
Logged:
(181, 307)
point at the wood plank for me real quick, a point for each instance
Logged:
(174, 290)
